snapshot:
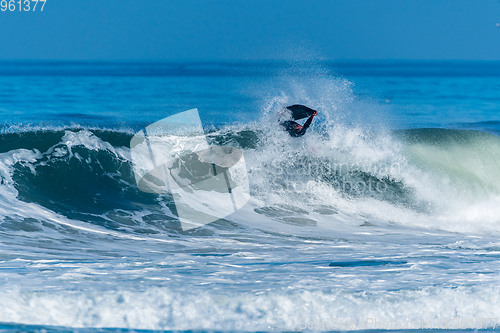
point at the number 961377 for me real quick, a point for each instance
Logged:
(22, 5)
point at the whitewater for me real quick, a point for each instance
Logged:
(385, 215)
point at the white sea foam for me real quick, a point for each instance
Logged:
(162, 308)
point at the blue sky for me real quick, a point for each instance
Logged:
(253, 29)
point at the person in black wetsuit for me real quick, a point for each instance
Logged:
(294, 128)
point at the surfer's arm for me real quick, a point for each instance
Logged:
(306, 125)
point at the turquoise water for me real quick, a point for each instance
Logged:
(81, 248)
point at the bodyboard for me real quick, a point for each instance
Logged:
(300, 111)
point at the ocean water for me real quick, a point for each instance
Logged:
(385, 215)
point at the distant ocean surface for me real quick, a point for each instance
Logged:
(385, 215)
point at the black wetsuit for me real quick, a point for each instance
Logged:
(294, 128)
